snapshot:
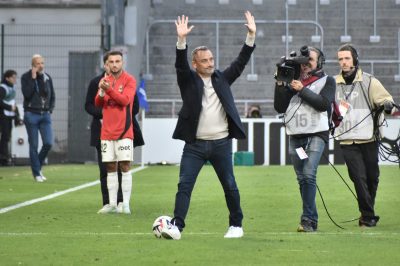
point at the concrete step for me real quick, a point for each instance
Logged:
(269, 44)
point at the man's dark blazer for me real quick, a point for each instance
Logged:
(191, 87)
(96, 112)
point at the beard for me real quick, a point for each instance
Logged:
(116, 73)
(349, 72)
(304, 75)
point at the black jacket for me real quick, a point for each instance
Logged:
(32, 99)
(191, 87)
(96, 112)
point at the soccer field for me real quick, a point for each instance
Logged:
(67, 230)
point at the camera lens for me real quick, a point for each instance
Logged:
(304, 51)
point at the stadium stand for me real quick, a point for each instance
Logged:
(360, 26)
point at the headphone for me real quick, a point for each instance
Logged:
(321, 57)
(353, 51)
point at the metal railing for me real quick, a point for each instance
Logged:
(217, 39)
(372, 63)
(55, 42)
(174, 103)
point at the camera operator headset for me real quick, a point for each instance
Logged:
(305, 104)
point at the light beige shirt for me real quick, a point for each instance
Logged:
(212, 121)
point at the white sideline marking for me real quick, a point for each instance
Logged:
(363, 234)
(57, 194)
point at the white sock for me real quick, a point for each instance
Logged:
(126, 187)
(112, 185)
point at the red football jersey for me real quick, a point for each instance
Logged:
(117, 105)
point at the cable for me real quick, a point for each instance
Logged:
(326, 209)
(294, 113)
(334, 137)
(347, 185)
(341, 177)
(385, 152)
(349, 221)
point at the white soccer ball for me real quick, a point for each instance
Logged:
(160, 223)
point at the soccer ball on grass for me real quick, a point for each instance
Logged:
(160, 223)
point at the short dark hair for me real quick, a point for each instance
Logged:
(198, 48)
(107, 55)
(8, 73)
(349, 47)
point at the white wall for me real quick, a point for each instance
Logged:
(161, 147)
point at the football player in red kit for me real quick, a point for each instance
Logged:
(115, 96)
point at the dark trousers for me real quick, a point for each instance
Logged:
(363, 168)
(6, 126)
(103, 179)
(219, 154)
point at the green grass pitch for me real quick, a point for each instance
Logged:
(67, 230)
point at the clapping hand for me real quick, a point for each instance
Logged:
(104, 84)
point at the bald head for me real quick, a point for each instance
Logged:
(38, 63)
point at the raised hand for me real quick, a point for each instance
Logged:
(250, 24)
(34, 72)
(182, 28)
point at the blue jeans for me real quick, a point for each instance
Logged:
(34, 124)
(306, 171)
(195, 155)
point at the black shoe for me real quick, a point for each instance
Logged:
(368, 221)
(307, 225)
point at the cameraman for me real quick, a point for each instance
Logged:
(360, 96)
(306, 104)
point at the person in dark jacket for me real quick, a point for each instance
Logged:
(207, 122)
(39, 101)
(95, 130)
(306, 104)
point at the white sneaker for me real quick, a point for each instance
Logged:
(119, 208)
(234, 232)
(38, 179)
(43, 177)
(126, 209)
(107, 209)
(171, 232)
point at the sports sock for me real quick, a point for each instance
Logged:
(126, 187)
(112, 185)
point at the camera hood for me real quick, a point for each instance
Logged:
(285, 73)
